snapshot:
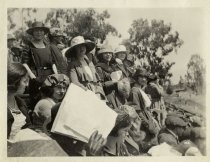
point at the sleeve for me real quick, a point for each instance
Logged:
(136, 98)
(26, 56)
(100, 73)
(108, 86)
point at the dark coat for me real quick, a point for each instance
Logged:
(28, 58)
(137, 99)
(104, 71)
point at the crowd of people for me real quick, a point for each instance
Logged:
(39, 74)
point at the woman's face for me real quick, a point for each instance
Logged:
(59, 92)
(80, 51)
(107, 57)
(122, 133)
(24, 81)
(142, 80)
(136, 123)
(121, 56)
(38, 34)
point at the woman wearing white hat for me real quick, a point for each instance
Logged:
(104, 68)
(120, 55)
(81, 71)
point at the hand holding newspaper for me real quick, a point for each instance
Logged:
(81, 113)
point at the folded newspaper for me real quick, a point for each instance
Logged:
(116, 75)
(81, 113)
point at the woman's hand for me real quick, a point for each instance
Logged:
(95, 143)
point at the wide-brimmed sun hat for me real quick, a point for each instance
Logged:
(120, 48)
(37, 25)
(78, 41)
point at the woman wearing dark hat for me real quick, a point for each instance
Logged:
(53, 90)
(139, 98)
(82, 72)
(115, 145)
(136, 96)
(156, 93)
(39, 58)
(56, 37)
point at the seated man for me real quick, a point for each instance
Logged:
(177, 131)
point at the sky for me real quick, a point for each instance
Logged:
(187, 21)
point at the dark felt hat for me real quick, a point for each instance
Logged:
(37, 25)
(141, 72)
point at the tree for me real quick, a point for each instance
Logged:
(85, 22)
(196, 73)
(154, 41)
(27, 17)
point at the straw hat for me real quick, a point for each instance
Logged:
(37, 25)
(78, 41)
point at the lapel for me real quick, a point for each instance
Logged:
(121, 67)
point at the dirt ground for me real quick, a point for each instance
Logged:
(188, 101)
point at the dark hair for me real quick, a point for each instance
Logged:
(122, 121)
(15, 71)
(47, 91)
